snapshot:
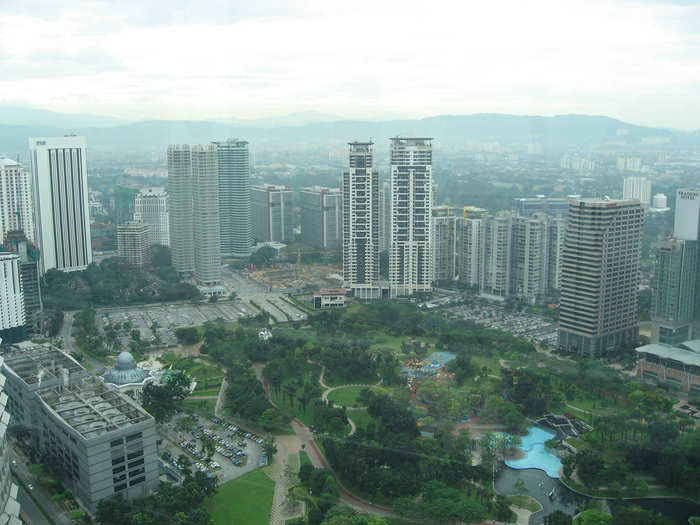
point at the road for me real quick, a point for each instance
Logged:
(19, 465)
(70, 346)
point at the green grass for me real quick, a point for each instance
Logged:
(304, 458)
(309, 374)
(201, 406)
(694, 521)
(348, 396)
(247, 499)
(361, 418)
(525, 502)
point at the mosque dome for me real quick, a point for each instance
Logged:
(126, 371)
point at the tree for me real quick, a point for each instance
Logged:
(162, 401)
(269, 448)
(188, 335)
(593, 517)
(208, 446)
(269, 419)
(557, 518)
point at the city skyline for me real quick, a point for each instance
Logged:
(122, 64)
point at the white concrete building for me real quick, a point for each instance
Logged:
(385, 216)
(207, 240)
(236, 230)
(361, 223)
(151, 208)
(637, 188)
(273, 213)
(59, 177)
(686, 224)
(12, 314)
(444, 241)
(181, 208)
(9, 506)
(133, 244)
(659, 203)
(411, 256)
(16, 207)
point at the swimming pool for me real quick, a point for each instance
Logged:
(536, 455)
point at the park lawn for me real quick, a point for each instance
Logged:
(348, 396)
(694, 521)
(525, 502)
(200, 406)
(361, 418)
(247, 499)
(304, 458)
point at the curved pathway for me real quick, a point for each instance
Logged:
(304, 439)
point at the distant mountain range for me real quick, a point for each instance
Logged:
(562, 132)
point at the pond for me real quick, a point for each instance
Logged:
(536, 454)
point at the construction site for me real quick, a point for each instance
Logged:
(294, 277)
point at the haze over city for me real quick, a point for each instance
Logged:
(638, 61)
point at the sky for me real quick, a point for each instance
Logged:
(638, 61)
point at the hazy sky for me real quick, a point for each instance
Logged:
(634, 60)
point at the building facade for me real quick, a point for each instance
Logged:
(151, 208)
(385, 216)
(674, 284)
(16, 242)
(16, 206)
(181, 211)
(206, 222)
(471, 251)
(411, 255)
(554, 206)
(133, 244)
(273, 213)
(321, 217)
(361, 222)
(236, 232)
(444, 241)
(530, 257)
(637, 188)
(59, 179)
(498, 237)
(9, 506)
(12, 313)
(676, 366)
(600, 275)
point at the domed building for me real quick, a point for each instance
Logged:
(128, 376)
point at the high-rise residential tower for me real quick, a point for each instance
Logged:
(498, 238)
(207, 240)
(180, 190)
(273, 213)
(444, 243)
(236, 231)
(385, 216)
(600, 275)
(16, 208)
(151, 208)
(471, 252)
(12, 314)
(637, 188)
(321, 217)
(59, 173)
(16, 242)
(361, 223)
(411, 256)
(133, 244)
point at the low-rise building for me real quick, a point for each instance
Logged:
(133, 244)
(103, 440)
(676, 366)
(329, 298)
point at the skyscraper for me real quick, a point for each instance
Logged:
(59, 173)
(410, 256)
(16, 242)
(273, 213)
(600, 275)
(321, 217)
(471, 253)
(674, 291)
(444, 243)
(236, 230)
(151, 208)
(530, 257)
(498, 237)
(361, 222)
(385, 216)
(181, 208)
(12, 315)
(686, 225)
(16, 209)
(637, 188)
(207, 240)
(133, 244)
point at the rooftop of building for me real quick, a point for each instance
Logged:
(33, 362)
(7, 162)
(330, 291)
(126, 372)
(687, 353)
(603, 202)
(320, 189)
(132, 226)
(153, 191)
(7, 256)
(91, 408)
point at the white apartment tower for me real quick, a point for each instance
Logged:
(273, 213)
(637, 188)
(410, 255)
(181, 208)
(207, 240)
(59, 173)
(16, 209)
(444, 242)
(236, 230)
(12, 315)
(496, 282)
(321, 217)
(385, 216)
(151, 208)
(361, 223)
(471, 251)
(600, 275)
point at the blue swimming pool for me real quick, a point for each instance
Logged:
(536, 455)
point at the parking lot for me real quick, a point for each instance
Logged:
(165, 319)
(237, 450)
(529, 326)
